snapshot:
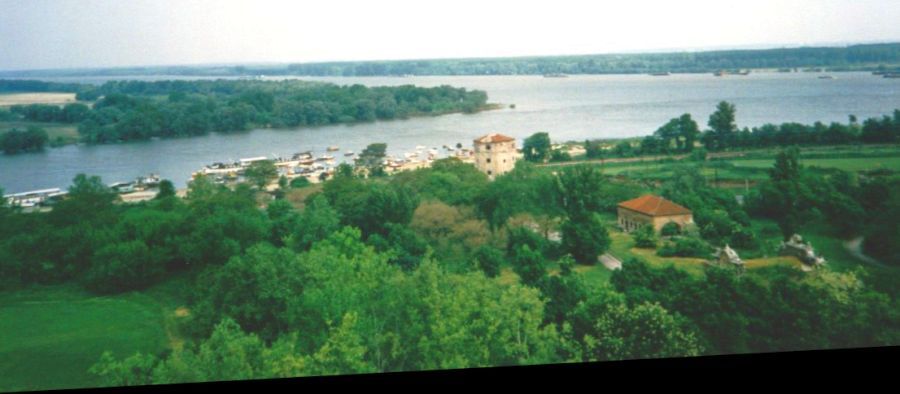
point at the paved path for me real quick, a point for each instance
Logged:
(854, 246)
(610, 262)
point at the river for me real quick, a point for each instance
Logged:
(573, 108)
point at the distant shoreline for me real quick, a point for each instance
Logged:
(859, 57)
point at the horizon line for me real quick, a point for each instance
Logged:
(747, 47)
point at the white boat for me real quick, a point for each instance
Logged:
(349, 153)
(332, 149)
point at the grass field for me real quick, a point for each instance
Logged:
(846, 164)
(50, 336)
(10, 99)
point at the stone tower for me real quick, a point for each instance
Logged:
(495, 154)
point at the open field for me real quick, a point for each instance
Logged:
(10, 99)
(52, 335)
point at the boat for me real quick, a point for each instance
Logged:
(662, 74)
(555, 75)
(349, 153)
(332, 149)
(891, 75)
(325, 157)
(826, 77)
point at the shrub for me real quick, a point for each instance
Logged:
(645, 237)
(685, 247)
(670, 229)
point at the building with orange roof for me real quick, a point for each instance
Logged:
(495, 154)
(652, 210)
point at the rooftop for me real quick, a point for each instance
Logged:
(493, 138)
(654, 206)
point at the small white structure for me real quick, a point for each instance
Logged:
(795, 246)
(728, 257)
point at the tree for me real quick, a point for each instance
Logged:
(585, 238)
(537, 147)
(529, 265)
(642, 331)
(166, 189)
(489, 260)
(316, 222)
(260, 173)
(723, 127)
(255, 289)
(578, 189)
(89, 200)
(32, 139)
(593, 149)
(372, 158)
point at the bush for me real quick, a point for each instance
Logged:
(299, 182)
(670, 229)
(685, 247)
(645, 237)
(122, 267)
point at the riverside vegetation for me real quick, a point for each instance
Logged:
(136, 110)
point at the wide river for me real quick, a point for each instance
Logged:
(573, 108)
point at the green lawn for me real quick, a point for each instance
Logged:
(846, 164)
(50, 336)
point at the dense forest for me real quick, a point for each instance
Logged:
(404, 272)
(873, 57)
(136, 110)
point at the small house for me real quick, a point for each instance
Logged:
(652, 210)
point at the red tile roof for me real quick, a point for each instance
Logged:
(494, 138)
(654, 206)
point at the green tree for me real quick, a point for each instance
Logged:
(537, 147)
(723, 126)
(260, 173)
(529, 265)
(578, 190)
(489, 260)
(585, 238)
(166, 189)
(372, 158)
(316, 222)
(256, 289)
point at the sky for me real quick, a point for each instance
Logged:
(49, 34)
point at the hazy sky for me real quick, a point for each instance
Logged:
(102, 33)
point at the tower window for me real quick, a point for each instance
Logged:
(488, 147)
(489, 160)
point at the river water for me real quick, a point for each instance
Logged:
(573, 108)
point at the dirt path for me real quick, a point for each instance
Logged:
(854, 246)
